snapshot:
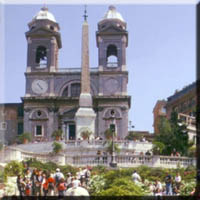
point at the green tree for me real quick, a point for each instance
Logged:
(173, 134)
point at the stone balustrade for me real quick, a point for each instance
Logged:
(94, 160)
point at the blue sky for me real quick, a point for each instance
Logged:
(160, 54)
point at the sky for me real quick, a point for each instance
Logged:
(160, 52)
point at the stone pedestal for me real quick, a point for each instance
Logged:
(85, 121)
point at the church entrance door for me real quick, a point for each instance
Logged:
(72, 132)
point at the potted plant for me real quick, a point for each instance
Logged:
(57, 147)
(24, 138)
(109, 133)
(57, 134)
(86, 134)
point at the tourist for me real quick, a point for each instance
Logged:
(178, 181)
(57, 177)
(136, 177)
(33, 181)
(168, 183)
(105, 157)
(51, 185)
(38, 184)
(151, 188)
(76, 182)
(69, 180)
(61, 188)
(87, 176)
(28, 174)
(148, 153)
(20, 185)
(158, 188)
(28, 187)
(45, 185)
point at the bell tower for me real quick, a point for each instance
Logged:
(112, 40)
(44, 41)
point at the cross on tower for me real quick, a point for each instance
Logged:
(85, 13)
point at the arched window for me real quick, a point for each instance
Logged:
(111, 55)
(65, 92)
(75, 89)
(41, 56)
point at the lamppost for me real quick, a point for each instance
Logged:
(113, 162)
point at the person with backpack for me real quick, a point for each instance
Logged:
(58, 175)
(51, 185)
(38, 184)
(61, 188)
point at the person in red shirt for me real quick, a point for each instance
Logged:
(51, 185)
(45, 185)
(28, 188)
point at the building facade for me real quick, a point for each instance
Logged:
(184, 103)
(52, 93)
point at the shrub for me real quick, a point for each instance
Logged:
(96, 184)
(13, 168)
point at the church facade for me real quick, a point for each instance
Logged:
(52, 93)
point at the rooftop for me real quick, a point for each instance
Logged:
(44, 14)
(113, 14)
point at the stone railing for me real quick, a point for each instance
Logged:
(93, 160)
(123, 144)
(135, 161)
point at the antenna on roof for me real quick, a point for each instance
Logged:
(85, 13)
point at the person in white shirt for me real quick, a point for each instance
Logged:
(158, 188)
(178, 181)
(57, 176)
(76, 182)
(136, 177)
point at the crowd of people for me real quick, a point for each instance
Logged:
(43, 183)
(171, 187)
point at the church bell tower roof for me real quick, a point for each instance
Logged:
(44, 14)
(113, 14)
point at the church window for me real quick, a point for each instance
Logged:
(65, 92)
(39, 113)
(111, 54)
(20, 128)
(112, 127)
(20, 111)
(75, 89)
(3, 126)
(52, 28)
(41, 56)
(38, 130)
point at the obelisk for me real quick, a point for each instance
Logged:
(85, 115)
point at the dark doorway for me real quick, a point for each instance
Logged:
(72, 132)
